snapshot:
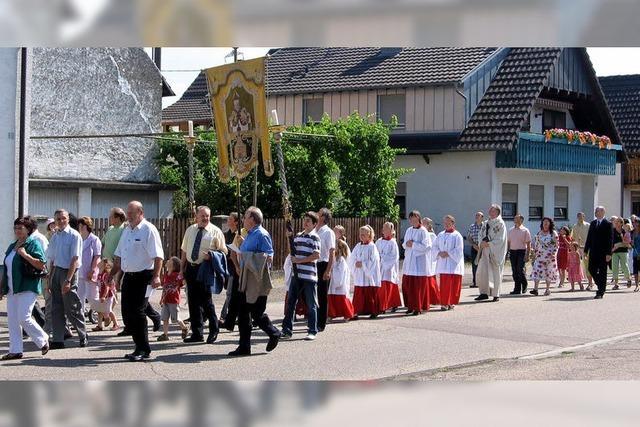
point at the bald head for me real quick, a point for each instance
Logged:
(135, 213)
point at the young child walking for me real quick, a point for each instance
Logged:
(172, 283)
(389, 268)
(574, 266)
(106, 295)
(339, 287)
(564, 241)
(364, 264)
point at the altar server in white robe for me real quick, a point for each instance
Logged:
(339, 303)
(389, 261)
(449, 250)
(432, 294)
(417, 270)
(364, 264)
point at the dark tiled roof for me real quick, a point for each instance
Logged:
(623, 97)
(509, 99)
(192, 105)
(305, 70)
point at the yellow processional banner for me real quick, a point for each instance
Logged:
(238, 102)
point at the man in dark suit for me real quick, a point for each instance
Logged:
(598, 249)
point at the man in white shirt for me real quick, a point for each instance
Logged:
(199, 239)
(139, 255)
(324, 264)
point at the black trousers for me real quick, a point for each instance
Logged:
(134, 307)
(598, 270)
(517, 258)
(200, 302)
(247, 313)
(474, 267)
(233, 308)
(151, 313)
(323, 291)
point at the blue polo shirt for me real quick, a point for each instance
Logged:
(258, 240)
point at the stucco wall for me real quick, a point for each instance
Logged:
(94, 91)
(451, 183)
(608, 193)
(8, 153)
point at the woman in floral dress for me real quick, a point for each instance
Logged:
(545, 249)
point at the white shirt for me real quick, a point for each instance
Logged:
(389, 256)
(369, 273)
(42, 239)
(453, 244)
(417, 260)
(8, 262)
(139, 247)
(327, 242)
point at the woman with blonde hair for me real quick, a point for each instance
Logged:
(364, 264)
(389, 266)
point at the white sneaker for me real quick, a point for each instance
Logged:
(310, 337)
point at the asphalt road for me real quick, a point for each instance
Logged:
(391, 347)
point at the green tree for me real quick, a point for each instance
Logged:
(348, 168)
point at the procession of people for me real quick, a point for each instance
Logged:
(325, 279)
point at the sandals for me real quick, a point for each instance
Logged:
(97, 329)
(615, 287)
(115, 327)
(547, 293)
(185, 332)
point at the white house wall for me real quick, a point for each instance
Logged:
(609, 191)
(581, 192)
(8, 144)
(452, 183)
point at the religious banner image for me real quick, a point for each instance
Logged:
(238, 102)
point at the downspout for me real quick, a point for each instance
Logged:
(466, 100)
(622, 168)
(22, 140)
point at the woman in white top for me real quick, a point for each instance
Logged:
(449, 250)
(340, 284)
(389, 256)
(364, 264)
(417, 267)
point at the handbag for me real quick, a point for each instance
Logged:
(32, 272)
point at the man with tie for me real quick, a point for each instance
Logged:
(199, 239)
(598, 248)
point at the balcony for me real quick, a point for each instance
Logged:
(532, 152)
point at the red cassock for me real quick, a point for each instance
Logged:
(432, 294)
(390, 295)
(340, 306)
(450, 286)
(301, 306)
(366, 300)
(415, 290)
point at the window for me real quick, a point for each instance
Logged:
(509, 200)
(635, 202)
(401, 198)
(536, 201)
(561, 205)
(392, 105)
(552, 119)
(312, 110)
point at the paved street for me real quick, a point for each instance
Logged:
(431, 346)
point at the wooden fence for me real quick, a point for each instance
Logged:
(172, 230)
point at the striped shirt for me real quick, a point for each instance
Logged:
(305, 245)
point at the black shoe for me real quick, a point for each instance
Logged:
(320, 329)
(524, 290)
(598, 297)
(157, 326)
(373, 316)
(481, 297)
(416, 313)
(25, 335)
(55, 345)
(45, 349)
(84, 342)
(67, 335)
(394, 309)
(194, 338)
(12, 356)
(273, 342)
(473, 286)
(138, 357)
(240, 352)
(212, 338)
(123, 333)
(534, 292)
(495, 299)
(514, 293)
